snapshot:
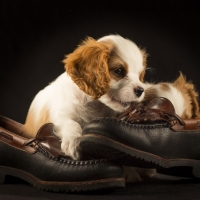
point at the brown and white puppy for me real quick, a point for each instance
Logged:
(102, 78)
(181, 93)
(184, 98)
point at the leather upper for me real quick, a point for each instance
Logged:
(45, 137)
(158, 110)
(153, 128)
(42, 157)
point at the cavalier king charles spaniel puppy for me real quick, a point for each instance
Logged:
(184, 98)
(103, 77)
(181, 93)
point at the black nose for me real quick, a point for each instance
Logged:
(138, 91)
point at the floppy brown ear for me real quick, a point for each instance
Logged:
(193, 100)
(88, 67)
(195, 103)
(192, 96)
(144, 55)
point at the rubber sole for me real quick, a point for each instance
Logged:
(97, 146)
(64, 187)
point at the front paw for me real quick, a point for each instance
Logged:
(134, 174)
(131, 175)
(70, 148)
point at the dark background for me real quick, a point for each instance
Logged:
(36, 34)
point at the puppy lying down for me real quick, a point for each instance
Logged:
(184, 98)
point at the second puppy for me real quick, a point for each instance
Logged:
(184, 98)
(181, 93)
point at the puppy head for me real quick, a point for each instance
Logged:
(110, 69)
(190, 95)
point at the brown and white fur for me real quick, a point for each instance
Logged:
(181, 93)
(184, 98)
(102, 78)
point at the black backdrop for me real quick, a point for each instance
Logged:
(36, 34)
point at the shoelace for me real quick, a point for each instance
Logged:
(140, 113)
(136, 109)
(35, 139)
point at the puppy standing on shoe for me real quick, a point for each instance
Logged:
(103, 78)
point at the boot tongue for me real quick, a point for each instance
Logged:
(161, 103)
(51, 143)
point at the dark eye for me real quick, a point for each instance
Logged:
(119, 72)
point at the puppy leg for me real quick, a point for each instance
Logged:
(130, 175)
(70, 132)
(134, 174)
(145, 173)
